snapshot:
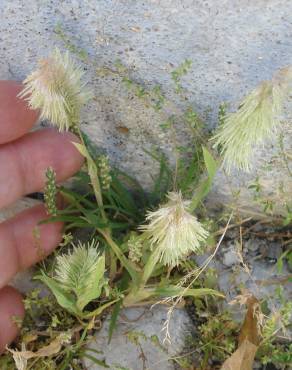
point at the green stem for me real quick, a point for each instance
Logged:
(124, 261)
(138, 291)
(93, 174)
(99, 310)
(137, 295)
(106, 233)
(149, 267)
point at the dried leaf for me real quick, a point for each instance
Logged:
(250, 327)
(249, 338)
(20, 361)
(242, 358)
(21, 357)
(241, 299)
(54, 347)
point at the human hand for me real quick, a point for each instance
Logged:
(24, 158)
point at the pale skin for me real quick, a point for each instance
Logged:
(24, 158)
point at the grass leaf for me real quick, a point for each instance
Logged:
(65, 299)
(205, 186)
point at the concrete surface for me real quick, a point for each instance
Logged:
(137, 342)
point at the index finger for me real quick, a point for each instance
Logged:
(16, 118)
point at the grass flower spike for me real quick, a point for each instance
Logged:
(254, 122)
(79, 277)
(173, 232)
(82, 272)
(135, 248)
(56, 89)
(104, 172)
(50, 192)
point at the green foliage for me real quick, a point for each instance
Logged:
(272, 351)
(179, 72)
(79, 278)
(221, 114)
(69, 45)
(267, 205)
(45, 320)
(217, 338)
(111, 206)
(205, 187)
(287, 255)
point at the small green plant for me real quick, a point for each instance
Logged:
(179, 72)
(219, 334)
(276, 325)
(135, 238)
(137, 241)
(79, 278)
(217, 338)
(267, 205)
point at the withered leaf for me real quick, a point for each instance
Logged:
(242, 358)
(21, 357)
(250, 327)
(248, 341)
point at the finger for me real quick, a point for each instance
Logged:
(11, 307)
(16, 118)
(23, 242)
(23, 163)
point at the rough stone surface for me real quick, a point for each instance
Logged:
(134, 344)
(255, 272)
(234, 44)
(230, 256)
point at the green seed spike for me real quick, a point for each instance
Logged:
(104, 172)
(50, 192)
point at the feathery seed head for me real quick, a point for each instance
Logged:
(81, 259)
(254, 121)
(172, 231)
(55, 88)
(82, 272)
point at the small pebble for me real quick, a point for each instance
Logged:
(230, 258)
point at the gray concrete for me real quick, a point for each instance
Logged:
(234, 44)
(137, 342)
